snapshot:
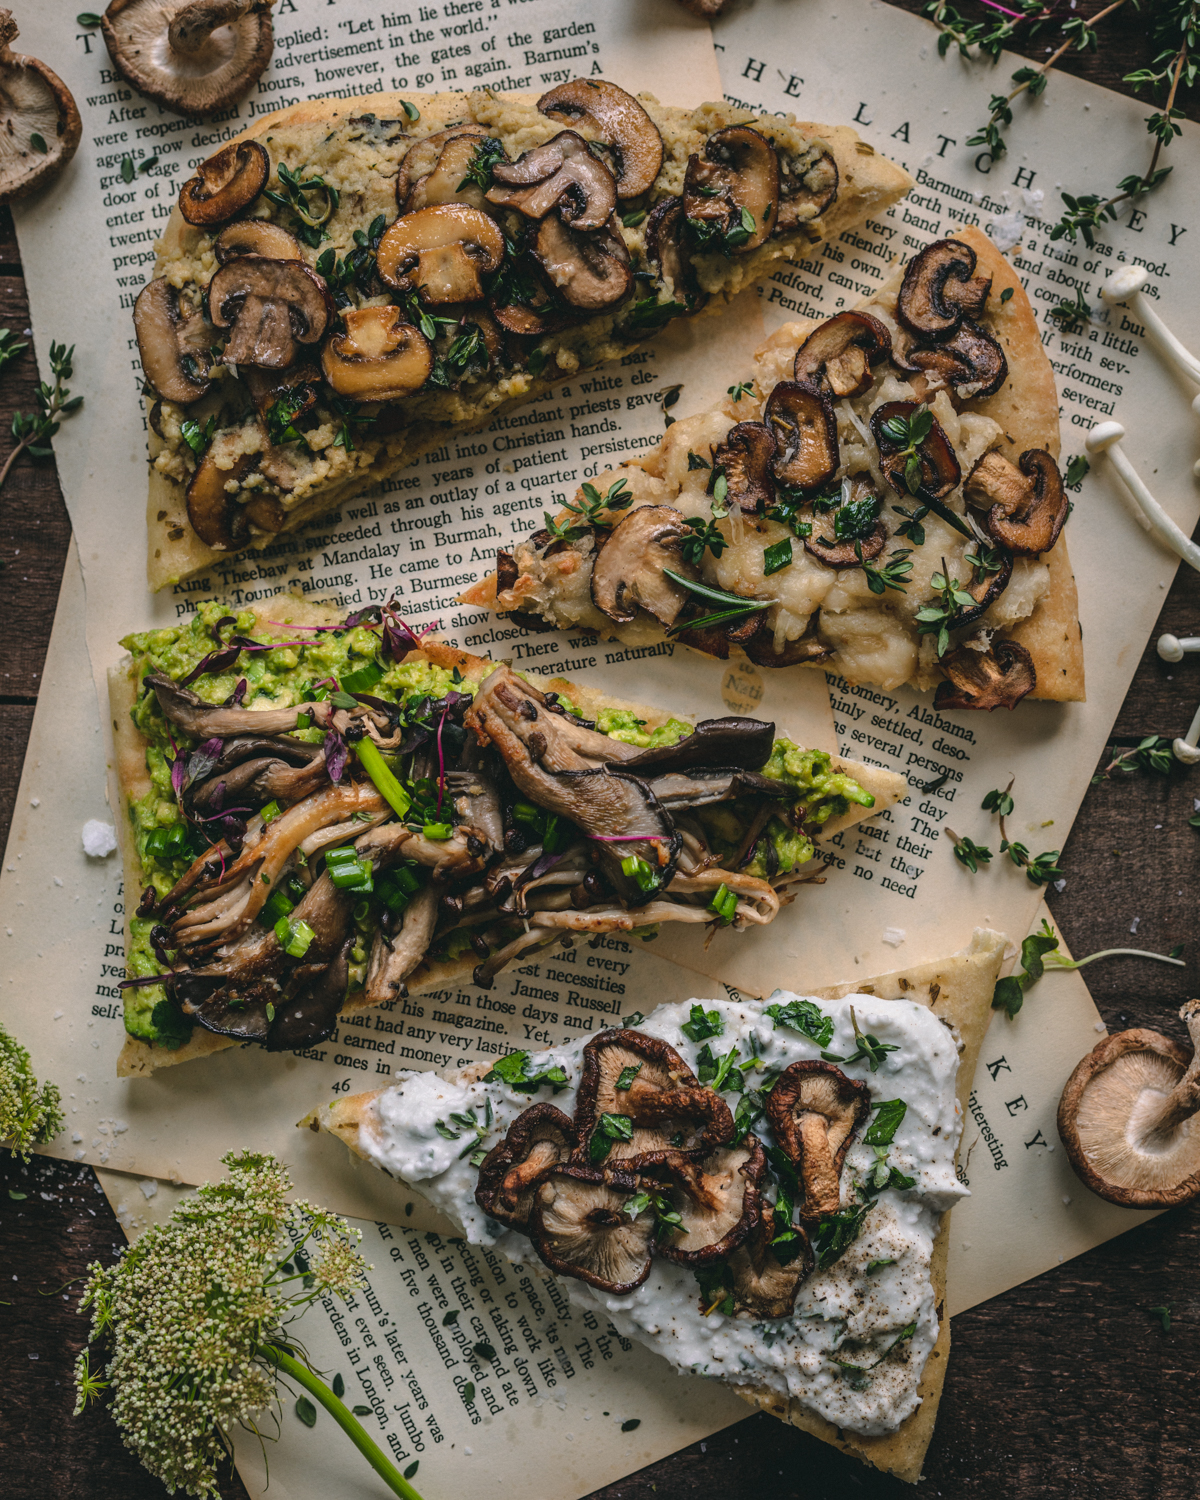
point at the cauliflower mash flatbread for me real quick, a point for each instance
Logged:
(958, 990)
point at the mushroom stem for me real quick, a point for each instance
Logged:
(191, 27)
(1184, 1099)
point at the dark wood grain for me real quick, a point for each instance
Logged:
(1063, 1389)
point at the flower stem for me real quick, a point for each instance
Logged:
(345, 1419)
(1055, 961)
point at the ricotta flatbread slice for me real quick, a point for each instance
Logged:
(337, 293)
(383, 1128)
(892, 494)
(317, 813)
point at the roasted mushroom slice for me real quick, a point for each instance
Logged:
(940, 472)
(847, 552)
(970, 362)
(311, 1005)
(435, 169)
(993, 679)
(745, 459)
(1028, 503)
(173, 343)
(940, 289)
(985, 588)
(204, 721)
(225, 184)
(719, 1201)
(378, 357)
(764, 1287)
(395, 955)
(562, 174)
(526, 305)
(628, 573)
(802, 422)
(195, 57)
(815, 1110)
(441, 253)
(256, 237)
(616, 119)
(836, 358)
(539, 1138)
(734, 741)
(738, 180)
(37, 107)
(580, 1227)
(702, 786)
(272, 306)
(590, 270)
(216, 516)
(667, 251)
(807, 647)
(806, 188)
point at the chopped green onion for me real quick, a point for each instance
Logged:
(294, 937)
(638, 869)
(385, 783)
(364, 679)
(724, 904)
(439, 831)
(271, 812)
(276, 908)
(525, 812)
(347, 871)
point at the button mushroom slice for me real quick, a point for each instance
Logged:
(1128, 1117)
(1028, 501)
(589, 269)
(617, 120)
(525, 304)
(802, 422)
(224, 185)
(985, 588)
(272, 306)
(940, 473)
(196, 58)
(378, 357)
(667, 250)
(394, 956)
(998, 678)
(837, 552)
(970, 362)
(204, 721)
(580, 1228)
(815, 1110)
(940, 289)
(807, 647)
(745, 458)
(836, 358)
(256, 237)
(423, 157)
(720, 1202)
(733, 741)
(441, 253)
(36, 102)
(435, 169)
(739, 175)
(806, 188)
(216, 517)
(628, 573)
(763, 1287)
(562, 174)
(173, 343)
(541, 1137)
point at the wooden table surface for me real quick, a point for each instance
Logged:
(1063, 1389)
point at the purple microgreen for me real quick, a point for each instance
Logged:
(337, 753)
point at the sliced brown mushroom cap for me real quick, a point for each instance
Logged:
(217, 518)
(842, 554)
(807, 647)
(806, 189)
(616, 119)
(196, 58)
(580, 1228)
(539, 1138)
(272, 306)
(815, 1111)
(970, 362)
(1028, 503)
(628, 573)
(562, 174)
(36, 103)
(589, 269)
(985, 588)
(434, 169)
(379, 356)
(722, 743)
(763, 1286)
(940, 289)
(836, 358)
(802, 422)
(998, 678)
(1128, 1117)
(739, 174)
(441, 253)
(225, 184)
(173, 343)
(256, 237)
(539, 311)
(745, 458)
(667, 250)
(940, 472)
(297, 384)
(719, 1200)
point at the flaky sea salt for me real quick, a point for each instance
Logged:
(894, 936)
(99, 839)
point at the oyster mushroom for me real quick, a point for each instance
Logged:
(806, 189)
(940, 289)
(173, 343)
(203, 721)
(441, 253)
(280, 775)
(312, 1003)
(802, 422)
(562, 174)
(616, 119)
(719, 1201)
(815, 1110)
(998, 678)
(588, 269)
(434, 169)
(724, 743)
(1128, 1117)
(41, 125)
(225, 184)
(539, 1138)
(1028, 503)
(378, 356)
(745, 459)
(196, 56)
(737, 179)
(272, 306)
(256, 237)
(667, 250)
(580, 1228)
(628, 573)
(940, 472)
(970, 362)
(394, 956)
(763, 1286)
(836, 358)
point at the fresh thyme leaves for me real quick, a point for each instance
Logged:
(33, 430)
(702, 1024)
(1151, 754)
(969, 853)
(649, 313)
(984, 559)
(910, 528)
(803, 1016)
(786, 510)
(938, 617)
(742, 388)
(609, 1129)
(488, 152)
(856, 519)
(891, 575)
(1071, 312)
(869, 1050)
(358, 266)
(468, 1121)
(908, 433)
(999, 802)
(9, 348)
(1040, 869)
(720, 492)
(696, 462)
(777, 556)
(705, 537)
(733, 606)
(589, 512)
(1163, 1314)
(513, 1069)
(29, 1111)
(295, 192)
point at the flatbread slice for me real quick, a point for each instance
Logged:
(831, 523)
(461, 307)
(959, 992)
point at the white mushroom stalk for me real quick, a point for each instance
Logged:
(1123, 288)
(1105, 438)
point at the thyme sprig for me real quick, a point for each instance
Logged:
(34, 430)
(1039, 952)
(1150, 754)
(589, 511)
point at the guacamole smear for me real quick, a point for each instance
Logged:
(621, 724)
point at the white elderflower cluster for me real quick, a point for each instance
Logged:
(190, 1315)
(29, 1113)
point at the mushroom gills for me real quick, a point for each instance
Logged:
(719, 1201)
(173, 344)
(580, 1228)
(562, 174)
(629, 572)
(763, 1286)
(196, 57)
(225, 184)
(996, 678)
(804, 427)
(38, 106)
(737, 179)
(395, 956)
(272, 306)
(815, 1112)
(589, 269)
(540, 1138)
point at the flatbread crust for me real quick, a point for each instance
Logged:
(132, 780)
(959, 992)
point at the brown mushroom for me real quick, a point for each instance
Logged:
(562, 174)
(580, 1228)
(225, 184)
(815, 1111)
(617, 120)
(434, 170)
(985, 588)
(738, 178)
(666, 249)
(804, 427)
(256, 237)
(970, 362)
(806, 189)
(745, 459)
(173, 343)
(836, 358)
(589, 270)
(534, 310)
(217, 519)
(41, 126)
(539, 1138)
(272, 307)
(1028, 503)
(379, 357)
(940, 289)
(628, 572)
(764, 1286)
(993, 679)
(719, 1201)
(1128, 1117)
(195, 57)
(807, 647)
(940, 472)
(441, 253)
(841, 554)
(297, 385)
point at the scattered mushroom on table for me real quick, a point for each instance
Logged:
(196, 56)
(40, 127)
